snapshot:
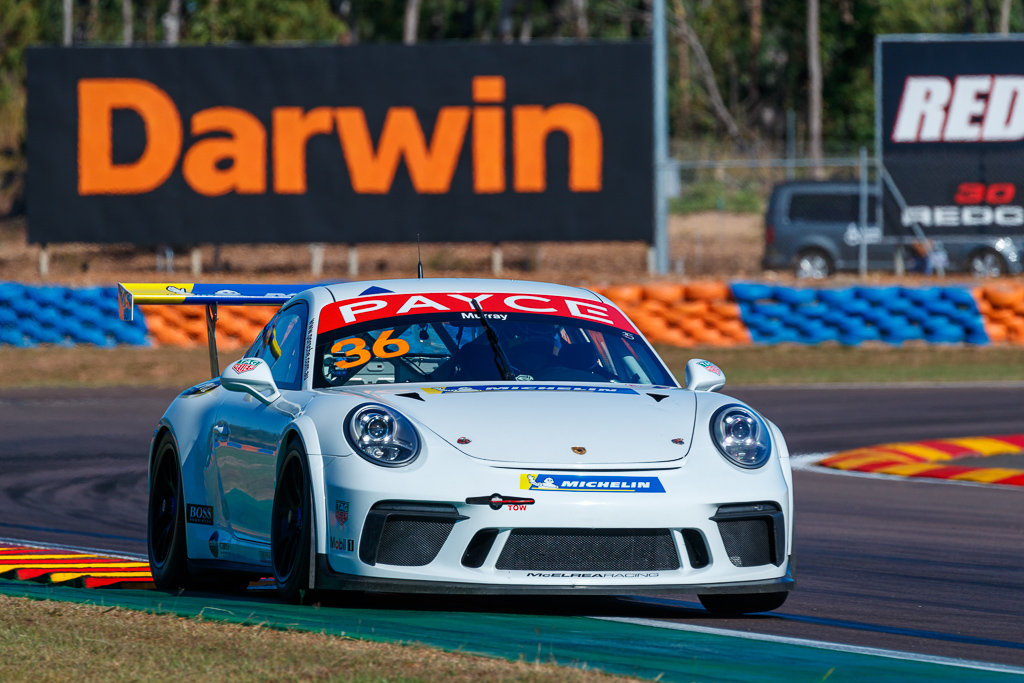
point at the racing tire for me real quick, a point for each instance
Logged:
(813, 264)
(291, 527)
(740, 604)
(165, 530)
(986, 263)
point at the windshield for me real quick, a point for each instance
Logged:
(454, 347)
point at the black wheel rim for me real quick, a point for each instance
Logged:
(289, 520)
(163, 507)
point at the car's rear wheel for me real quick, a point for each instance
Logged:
(986, 263)
(744, 603)
(168, 561)
(291, 527)
(814, 264)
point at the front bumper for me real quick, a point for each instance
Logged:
(328, 579)
(690, 496)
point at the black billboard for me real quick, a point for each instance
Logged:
(375, 143)
(951, 132)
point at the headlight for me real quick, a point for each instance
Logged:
(383, 436)
(741, 436)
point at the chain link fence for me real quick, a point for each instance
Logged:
(730, 214)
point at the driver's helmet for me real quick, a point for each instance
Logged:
(531, 347)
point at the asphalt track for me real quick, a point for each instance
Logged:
(919, 567)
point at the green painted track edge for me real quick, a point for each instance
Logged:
(626, 649)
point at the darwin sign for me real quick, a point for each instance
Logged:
(952, 132)
(357, 144)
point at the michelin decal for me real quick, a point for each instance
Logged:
(575, 482)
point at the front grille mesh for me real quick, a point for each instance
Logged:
(589, 550)
(747, 541)
(412, 541)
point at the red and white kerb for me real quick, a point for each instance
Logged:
(368, 308)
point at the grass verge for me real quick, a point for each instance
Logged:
(84, 366)
(57, 641)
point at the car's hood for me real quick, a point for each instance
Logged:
(550, 423)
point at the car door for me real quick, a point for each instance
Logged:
(247, 433)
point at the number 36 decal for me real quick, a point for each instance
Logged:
(355, 352)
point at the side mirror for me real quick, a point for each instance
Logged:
(703, 375)
(252, 376)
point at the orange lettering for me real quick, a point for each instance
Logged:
(489, 89)
(97, 100)
(488, 136)
(531, 125)
(246, 148)
(292, 130)
(431, 169)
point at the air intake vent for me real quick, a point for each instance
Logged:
(406, 534)
(696, 548)
(753, 533)
(589, 550)
(412, 542)
(476, 551)
(747, 542)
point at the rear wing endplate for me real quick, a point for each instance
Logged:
(130, 294)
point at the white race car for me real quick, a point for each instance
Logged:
(463, 436)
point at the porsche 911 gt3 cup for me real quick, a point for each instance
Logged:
(463, 436)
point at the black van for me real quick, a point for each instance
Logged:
(812, 227)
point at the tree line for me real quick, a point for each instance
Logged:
(736, 67)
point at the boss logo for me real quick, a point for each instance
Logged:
(199, 514)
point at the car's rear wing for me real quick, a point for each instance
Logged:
(210, 295)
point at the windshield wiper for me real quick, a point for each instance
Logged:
(508, 373)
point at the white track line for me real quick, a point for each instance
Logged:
(75, 548)
(809, 463)
(823, 645)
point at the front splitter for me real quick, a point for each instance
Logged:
(328, 579)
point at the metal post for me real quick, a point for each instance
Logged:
(790, 144)
(316, 259)
(211, 339)
(44, 260)
(862, 261)
(353, 261)
(660, 136)
(497, 260)
(68, 21)
(126, 22)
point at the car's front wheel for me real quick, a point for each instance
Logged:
(744, 603)
(166, 520)
(291, 527)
